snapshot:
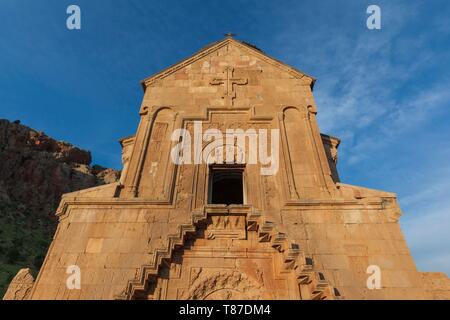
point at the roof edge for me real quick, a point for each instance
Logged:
(213, 47)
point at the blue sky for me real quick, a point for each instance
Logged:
(385, 93)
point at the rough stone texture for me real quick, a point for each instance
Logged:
(20, 286)
(438, 284)
(35, 170)
(301, 234)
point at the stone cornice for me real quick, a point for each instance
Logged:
(321, 204)
(342, 204)
(332, 141)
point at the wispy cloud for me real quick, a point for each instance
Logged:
(381, 92)
(384, 93)
(428, 236)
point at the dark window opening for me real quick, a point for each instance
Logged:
(226, 186)
(336, 292)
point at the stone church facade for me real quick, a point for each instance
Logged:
(221, 230)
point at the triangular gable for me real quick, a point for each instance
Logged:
(218, 45)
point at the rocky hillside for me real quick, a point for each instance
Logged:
(35, 170)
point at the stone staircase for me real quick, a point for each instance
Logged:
(312, 284)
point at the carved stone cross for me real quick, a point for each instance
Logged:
(229, 81)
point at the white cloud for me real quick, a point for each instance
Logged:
(373, 91)
(428, 237)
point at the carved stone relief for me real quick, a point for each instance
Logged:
(223, 285)
(20, 286)
(226, 226)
